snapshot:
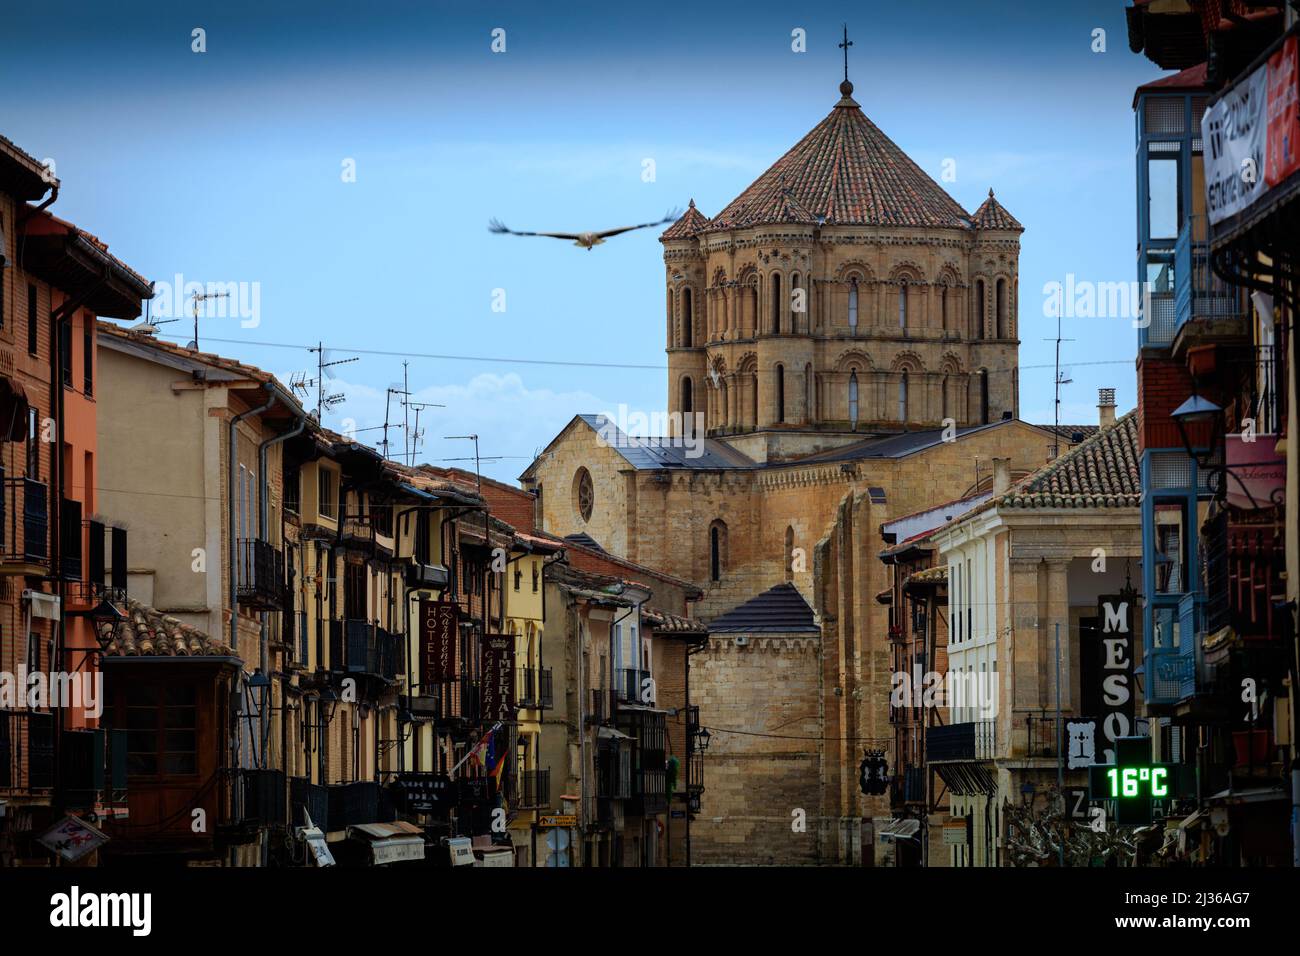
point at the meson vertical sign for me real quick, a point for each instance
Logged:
(1115, 612)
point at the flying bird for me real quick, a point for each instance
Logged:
(585, 239)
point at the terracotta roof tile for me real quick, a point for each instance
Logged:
(1102, 472)
(993, 215)
(847, 172)
(691, 222)
(147, 632)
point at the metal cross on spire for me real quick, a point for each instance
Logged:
(845, 47)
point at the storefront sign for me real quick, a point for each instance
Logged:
(72, 838)
(1255, 472)
(1250, 136)
(424, 792)
(1115, 613)
(558, 820)
(438, 627)
(498, 658)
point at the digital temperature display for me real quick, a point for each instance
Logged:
(1138, 782)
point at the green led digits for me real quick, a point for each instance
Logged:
(1130, 781)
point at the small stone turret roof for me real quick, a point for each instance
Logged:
(993, 215)
(691, 222)
(778, 610)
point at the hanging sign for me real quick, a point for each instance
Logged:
(439, 622)
(498, 659)
(1115, 613)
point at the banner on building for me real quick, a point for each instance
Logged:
(439, 622)
(1256, 475)
(1250, 136)
(1116, 706)
(498, 660)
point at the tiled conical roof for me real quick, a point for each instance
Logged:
(847, 172)
(1100, 473)
(993, 215)
(691, 222)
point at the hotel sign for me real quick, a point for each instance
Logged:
(498, 660)
(438, 630)
(1252, 135)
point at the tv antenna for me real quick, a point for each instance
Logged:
(301, 384)
(149, 327)
(1060, 379)
(417, 434)
(198, 297)
(388, 398)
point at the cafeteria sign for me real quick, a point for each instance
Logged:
(498, 659)
(1252, 135)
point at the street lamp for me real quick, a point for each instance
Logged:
(702, 738)
(1198, 410)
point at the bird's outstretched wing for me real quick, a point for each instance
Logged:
(672, 216)
(497, 226)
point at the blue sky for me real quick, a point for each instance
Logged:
(226, 166)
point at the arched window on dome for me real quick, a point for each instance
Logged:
(688, 396)
(944, 399)
(902, 396)
(798, 304)
(777, 304)
(780, 392)
(853, 397)
(789, 552)
(902, 304)
(943, 306)
(853, 305)
(984, 396)
(979, 309)
(688, 316)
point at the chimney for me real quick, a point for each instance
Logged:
(1105, 406)
(1001, 475)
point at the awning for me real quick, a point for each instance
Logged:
(398, 842)
(609, 733)
(13, 410)
(899, 829)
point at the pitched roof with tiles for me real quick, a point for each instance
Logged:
(147, 632)
(844, 172)
(691, 222)
(778, 610)
(1102, 472)
(663, 622)
(993, 215)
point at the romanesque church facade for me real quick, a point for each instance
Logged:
(849, 335)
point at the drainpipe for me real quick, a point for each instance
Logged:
(232, 506)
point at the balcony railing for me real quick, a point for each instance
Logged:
(972, 740)
(264, 797)
(24, 521)
(651, 790)
(26, 751)
(260, 574)
(1198, 292)
(351, 804)
(603, 706)
(1041, 735)
(534, 789)
(309, 798)
(535, 691)
(362, 647)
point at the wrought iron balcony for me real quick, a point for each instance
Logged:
(353, 803)
(263, 797)
(535, 691)
(972, 740)
(632, 686)
(308, 798)
(359, 646)
(533, 789)
(1200, 294)
(259, 574)
(26, 752)
(650, 791)
(24, 522)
